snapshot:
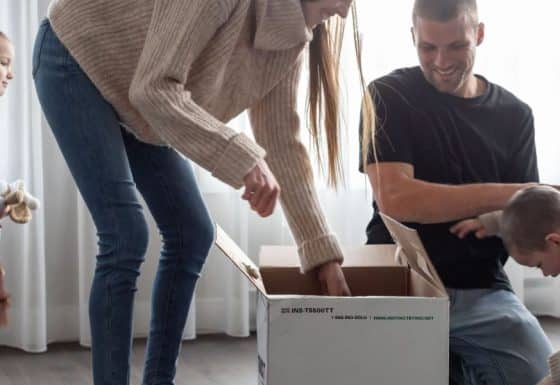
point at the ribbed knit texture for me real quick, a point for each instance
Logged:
(176, 70)
(491, 222)
(276, 126)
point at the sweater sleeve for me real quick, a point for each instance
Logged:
(179, 31)
(276, 126)
(491, 222)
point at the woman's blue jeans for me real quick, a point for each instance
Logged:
(109, 165)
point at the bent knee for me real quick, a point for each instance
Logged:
(189, 243)
(126, 242)
(195, 235)
(530, 340)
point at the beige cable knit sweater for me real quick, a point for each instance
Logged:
(177, 70)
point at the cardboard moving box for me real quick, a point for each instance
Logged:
(394, 330)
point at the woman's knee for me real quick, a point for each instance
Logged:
(126, 242)
(204, 235)
(189, 241)
(134, 236)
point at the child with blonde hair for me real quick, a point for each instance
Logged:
(6, 75)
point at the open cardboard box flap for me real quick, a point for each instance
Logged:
(409, 251)
(239, 258)
(413, 251)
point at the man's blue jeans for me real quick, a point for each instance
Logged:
(494, 340)
(108, 166)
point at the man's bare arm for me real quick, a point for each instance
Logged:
(408, 199)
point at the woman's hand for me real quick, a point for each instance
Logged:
(261, 189)
(467, 226)
(332, 279)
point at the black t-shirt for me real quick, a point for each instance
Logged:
(453, 140)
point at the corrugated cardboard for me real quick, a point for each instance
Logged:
(394, 330)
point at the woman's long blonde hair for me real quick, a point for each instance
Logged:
(324, 93)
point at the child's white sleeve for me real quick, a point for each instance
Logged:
(491, 222)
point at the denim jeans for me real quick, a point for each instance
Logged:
(494, 340)
(109, 165)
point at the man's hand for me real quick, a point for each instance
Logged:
(332, 280)
(467, 226)
(261, 189)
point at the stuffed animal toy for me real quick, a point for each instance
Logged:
(18, 201)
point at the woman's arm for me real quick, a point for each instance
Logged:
(179, 31)
(276, 126)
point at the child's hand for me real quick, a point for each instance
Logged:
(4, 212)
(467, 226)
(4, 307)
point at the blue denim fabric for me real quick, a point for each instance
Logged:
(109, 165)
(494, 340)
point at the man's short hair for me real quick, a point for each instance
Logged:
(2, 34)
(444, 10)
(529, 216)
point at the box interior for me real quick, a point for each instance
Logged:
(397, 281)
(369, 271)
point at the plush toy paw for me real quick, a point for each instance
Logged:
(19, 202)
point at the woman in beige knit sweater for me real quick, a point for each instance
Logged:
(126, 85)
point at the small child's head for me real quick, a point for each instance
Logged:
(530, 228)
(6, 59)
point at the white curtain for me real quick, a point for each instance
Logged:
(50, 261)
(22, 249)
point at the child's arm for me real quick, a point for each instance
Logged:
(486, 225)
(491, 223)
(4, 207)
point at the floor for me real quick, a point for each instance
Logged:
(209, 360)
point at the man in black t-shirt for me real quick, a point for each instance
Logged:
(451, 145)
